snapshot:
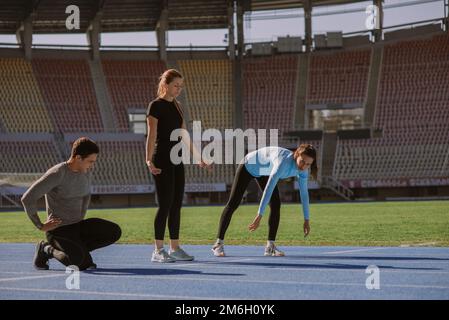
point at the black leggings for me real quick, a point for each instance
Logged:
(170, 192)
(79, 239)
(241, 181)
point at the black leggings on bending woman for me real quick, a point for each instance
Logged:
(241, 182)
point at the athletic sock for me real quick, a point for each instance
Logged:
(270, 243)
(48, 250)
(54, 253)
(219, 242)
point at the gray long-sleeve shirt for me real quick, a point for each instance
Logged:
(67, 195)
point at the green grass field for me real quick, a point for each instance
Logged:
(355, 224)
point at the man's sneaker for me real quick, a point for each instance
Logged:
(161, 256)
(273, 251)
(40, 260)
(218, 250)
(180, 255)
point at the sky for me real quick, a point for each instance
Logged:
(268, 25)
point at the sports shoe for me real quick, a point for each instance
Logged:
(161, 256)
(40, 260)
(218, 250)
(180, 255)
(273, 251)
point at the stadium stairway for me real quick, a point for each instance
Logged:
(373, 84)
(9, 201)
(329, 150)
(62, 146)
(301, 91)
(327, 163)
(103, 100)
(338, 188)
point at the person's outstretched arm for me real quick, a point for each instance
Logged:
(304, 194)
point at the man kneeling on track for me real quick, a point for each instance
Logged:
(66, 187)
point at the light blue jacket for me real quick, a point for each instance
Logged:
(277, 163)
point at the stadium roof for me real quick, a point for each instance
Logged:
(49, 16)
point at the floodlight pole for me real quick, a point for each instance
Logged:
(238, 84)
(307, 5)
(231, 44)
(377, 32)
(240, 36)
(94, 35)
(24, 36)
(446, 14)
(161, 32)
(24, 33)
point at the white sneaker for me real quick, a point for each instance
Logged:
(218, 250)
(273, 251)
(161, 256)
(180, 255)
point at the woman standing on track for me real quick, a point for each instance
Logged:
(164, 115)
(268, 165)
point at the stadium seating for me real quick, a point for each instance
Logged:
(269, 85)
(338, 77)
(121, 163)
(218, 173)
(22, 108)
(69, 94)
(208, 90)
(412, 114)
(28, 156)
(411, 118)
(132, 84)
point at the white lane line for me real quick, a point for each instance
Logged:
(243, 268)
(32, 277)
(228, 265)
(331, 263)
(359, 269)
(197, 263)
(116, 294)
(20, 272)
(282, 282)
(354, 250)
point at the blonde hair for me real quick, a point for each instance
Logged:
(166, 78)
